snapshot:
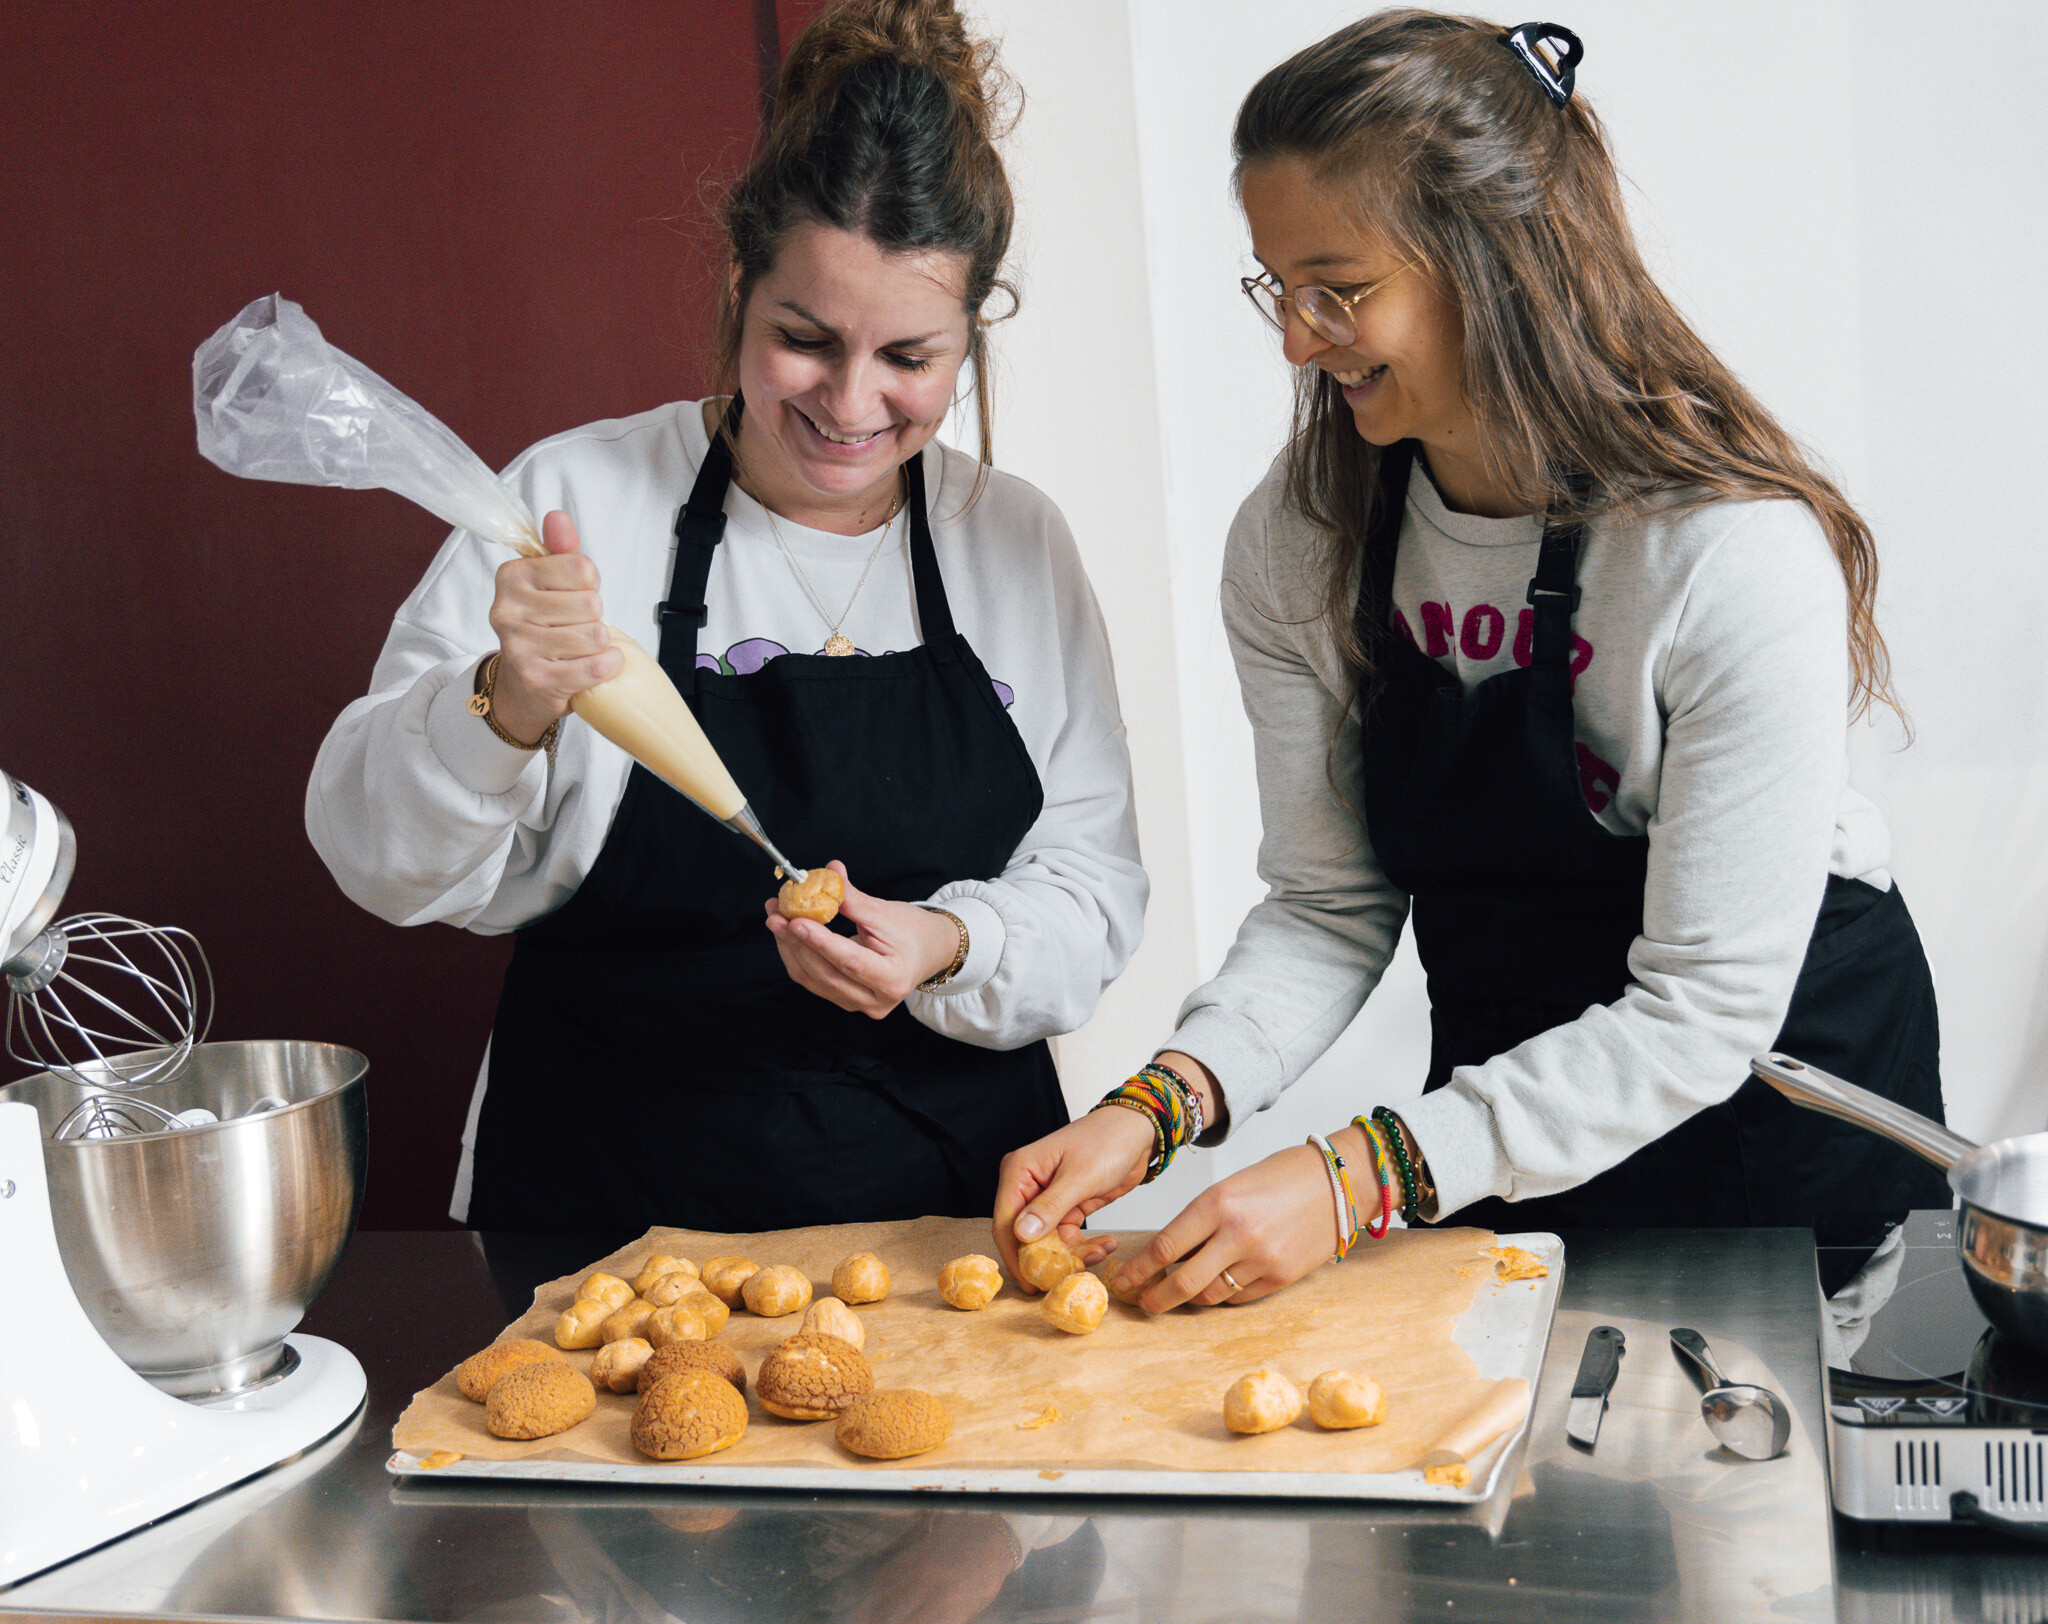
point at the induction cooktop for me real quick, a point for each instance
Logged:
(1939, 1418)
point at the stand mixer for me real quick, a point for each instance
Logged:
(196, 1195)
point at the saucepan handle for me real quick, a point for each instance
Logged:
(1818, 1091)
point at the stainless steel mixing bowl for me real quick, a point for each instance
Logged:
(194, 1251)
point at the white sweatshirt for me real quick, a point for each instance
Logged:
(1711, 710)
(422, 814)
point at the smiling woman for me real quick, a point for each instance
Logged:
(668, 1047)
(1549, 636)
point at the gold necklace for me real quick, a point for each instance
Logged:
(837, 643)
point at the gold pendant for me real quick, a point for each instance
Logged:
(839, 643)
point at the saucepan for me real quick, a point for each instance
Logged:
(2002, 1230)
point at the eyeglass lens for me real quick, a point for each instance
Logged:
(1318, 308)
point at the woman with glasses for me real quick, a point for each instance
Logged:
(1550, 637)
(893, 647)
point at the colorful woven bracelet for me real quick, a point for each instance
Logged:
(1383, 1169)
(1340, 1193)
(1190, 1095)
(1396, 1144)
(1164, 1103)
(1161, 1155)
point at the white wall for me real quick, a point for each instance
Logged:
(1853, 224)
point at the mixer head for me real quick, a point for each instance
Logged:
(100, 1000)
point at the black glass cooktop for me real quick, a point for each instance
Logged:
(1931, 1359)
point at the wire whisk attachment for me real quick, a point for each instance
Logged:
(109, 1002)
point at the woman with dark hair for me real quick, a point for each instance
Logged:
(1550, 637)
(895, 650)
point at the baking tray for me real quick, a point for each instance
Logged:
(1506, 1332)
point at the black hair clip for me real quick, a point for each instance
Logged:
(1532, 42)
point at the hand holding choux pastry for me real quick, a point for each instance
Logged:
(1045, 1262)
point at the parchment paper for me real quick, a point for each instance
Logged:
(1140, 1392)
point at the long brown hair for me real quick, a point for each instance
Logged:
(885, 123)
(1575, 361)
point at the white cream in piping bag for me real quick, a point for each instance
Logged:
(641, 712)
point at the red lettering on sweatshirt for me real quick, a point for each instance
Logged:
(1597, 780)
(1484, 628)
(1436, 629)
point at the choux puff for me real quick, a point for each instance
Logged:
(628, 1321)
(479, 1373)
(724, 1276)
(712, 1310)
(970, 1282)
(1077, 1303)
(776, 1290)
(1047, 1261)
(617, 1365)
(581, 1324)
(539, 1400)
(686, 1414)
(659, 1264)
(833, 1318)
(812, 1378)
(608, 1289)
(862, 1278)
(679, 1322)
(1261, 1402)
(816, 896)
(666, 1289)
(1338, 1399)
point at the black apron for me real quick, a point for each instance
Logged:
(653, 1063)
(1524, 908)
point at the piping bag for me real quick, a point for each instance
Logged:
(275, 401)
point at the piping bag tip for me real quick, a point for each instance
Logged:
(744, 822)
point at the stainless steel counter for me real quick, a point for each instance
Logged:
(1657, 1523)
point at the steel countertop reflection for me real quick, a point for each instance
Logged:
(1654, 1524)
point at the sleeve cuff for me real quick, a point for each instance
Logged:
(985, 938)
(476, 758)
(1248, 1073)
(1455, 1132)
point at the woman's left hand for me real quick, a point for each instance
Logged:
(1268, 1225)
(897, 946)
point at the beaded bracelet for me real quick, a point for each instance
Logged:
(1391, 1124)
(1340, 1193)
(1383, 1169)
(1190, 1095)
(1164, 1104)
(1161, 1155)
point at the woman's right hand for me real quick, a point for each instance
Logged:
(551, 634)
(1055, 1182)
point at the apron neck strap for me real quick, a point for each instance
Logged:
(934, 613)
(700, 527)
(1554, 589)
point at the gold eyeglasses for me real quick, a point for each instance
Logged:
(1326, 314)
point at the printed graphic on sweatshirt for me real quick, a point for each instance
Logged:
(744, 658)
(1478, 636)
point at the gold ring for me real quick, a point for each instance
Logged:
(1234, 1286)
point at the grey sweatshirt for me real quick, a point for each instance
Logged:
(1711, 707)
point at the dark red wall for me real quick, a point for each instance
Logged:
(501, 208)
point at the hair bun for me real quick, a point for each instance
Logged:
(927, 34)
